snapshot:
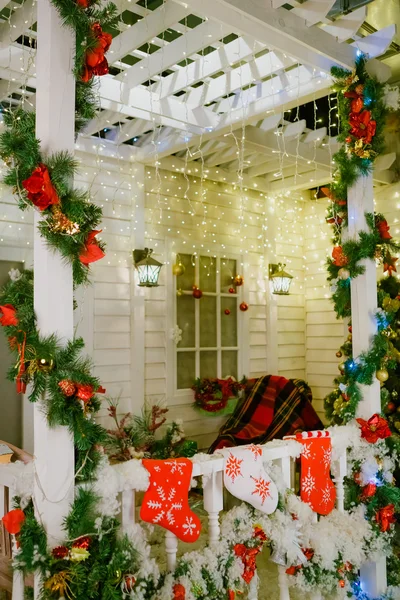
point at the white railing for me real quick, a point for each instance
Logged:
(211, 470)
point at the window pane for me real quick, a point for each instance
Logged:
(185, 281)
(228, 274)
(208, 364)
(208, 322)
(208, 274)
(186, 320)
(229, 322)
(186, 369)
(229, 363)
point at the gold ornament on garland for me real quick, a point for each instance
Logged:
(61, 224)
(344, 273)
(339, 354)
(341, 367)
(178, 269)
(60, 583)
(45, 364)
(382, 375)
(238, 281)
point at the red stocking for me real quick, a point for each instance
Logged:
(166, 500)
(317, 488)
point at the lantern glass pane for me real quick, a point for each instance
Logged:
(281, 285)
(148, 274)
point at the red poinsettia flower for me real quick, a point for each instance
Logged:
(362, 126)
(383, 229)
(41, 191)
(95, 61)
(84, 392)
(376, 428)
(9, 315)
(13, 521)
(356, 103)
(179, 592)
(339, 257)
(248, 556)
(260, 534)
(92, 251)
(385, 517)
(368, 491)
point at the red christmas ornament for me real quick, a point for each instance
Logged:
(67, 387)
(92, 251)
(244, 306)
(9, 315)
(339, 257)
(41, 191)
(383, 229)
(84, 392)
(179, 592)
(129, 583)
(232, 290)
(231, 595)
(342, 583)
(83, 3)
(60, 552)
(385, 517)
(376, 428)
(96, 62)
(391, 407)
(368, 491)
(82, 542)
(13, 521)
(227, 311)
(197, 293)
(362, 126)
(248, 556)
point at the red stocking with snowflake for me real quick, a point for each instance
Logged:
(166, 501)
(316, 486)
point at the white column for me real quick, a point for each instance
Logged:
(272, 304)
(54, 450)
(363, 306)
(137, 293)
(363, 290)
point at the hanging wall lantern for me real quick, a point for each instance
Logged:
(280, 279)
(148, 268)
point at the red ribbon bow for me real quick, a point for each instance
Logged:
(248, 556)
(339, 257)
(362, 127)
(96, 62)
(13, 521)
(92, 251)
(376, 428)
(9, 315)
(41, 191)
(383, 229)
(385, 517)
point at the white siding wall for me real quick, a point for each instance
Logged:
(324, 333)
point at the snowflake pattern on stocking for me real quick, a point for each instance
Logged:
(233, 468)
(189, 526)
(327, 457)
(326, 494)
(256, 450)
(306, 452)
(261, 488)
(308, 483)
(176, 467)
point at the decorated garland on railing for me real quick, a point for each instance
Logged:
(362, 111)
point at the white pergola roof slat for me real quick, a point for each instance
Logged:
(313, 11)
(132, 129)
(316, 136)
(175, 52)
(104, 119)
(376, 43)
(22, 19)
(142, 32)
(347, 25)
(233, 52)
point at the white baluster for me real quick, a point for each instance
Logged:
(18, 578)
(253, 588)
(283, 583)
(128, 508)
(171, 548)
(286, 468)
(213, 499)
(340, 473)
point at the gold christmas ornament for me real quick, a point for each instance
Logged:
(344, 273)
(178, 269)
(60, 583)
(339, 354)
(238, 281)
(341, 367)
(45, 364)
(382, 375)
(61, 223)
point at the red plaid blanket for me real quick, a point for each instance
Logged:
(273, 407)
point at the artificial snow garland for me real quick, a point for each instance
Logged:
(100, 560)
(363, 104)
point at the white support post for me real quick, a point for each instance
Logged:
(54, 449)
(137, 294)
(363, 306)
(213, 491)
(171, 548)
(363, 290)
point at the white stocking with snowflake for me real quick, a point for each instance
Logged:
(166, 500)
(246, 478)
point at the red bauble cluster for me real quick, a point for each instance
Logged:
(95, 60)
(41, 191)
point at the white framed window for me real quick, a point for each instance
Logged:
(211, 339)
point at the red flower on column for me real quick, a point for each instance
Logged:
(179, 592)
(41, 191)
(376, 428)
(248, 556)
(383, 229)
(92, 251)
(9, 315)
(339, 257)
(95, 61)
(84, 392)
(385, 517)
(368, 491)
(362, 126)
(356, 103)
(13, 521)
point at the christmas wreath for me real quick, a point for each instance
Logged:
(217, 396)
